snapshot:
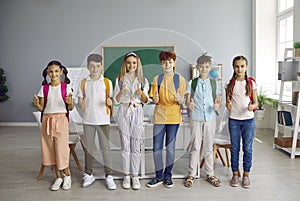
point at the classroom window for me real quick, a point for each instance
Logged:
(285, 24)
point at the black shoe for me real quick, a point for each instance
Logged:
(168, 182)
(154, 182)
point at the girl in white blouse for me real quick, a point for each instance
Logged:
(131, 92)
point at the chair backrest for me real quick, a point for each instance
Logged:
(75, 122)
(222, 132)
(37, 117)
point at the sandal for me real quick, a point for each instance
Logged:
(214, 181)
(189, 182)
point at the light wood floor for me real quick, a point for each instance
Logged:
(274, 175)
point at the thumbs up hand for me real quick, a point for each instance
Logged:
(69, 99)
(36, 100)
(124, 89)
(250, 107)
(228, 104)
(178, 98)
(156, 98)
(82, 104)
(108, 100)
(217, 104)
(192, 104)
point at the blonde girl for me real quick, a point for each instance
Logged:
(131, 92)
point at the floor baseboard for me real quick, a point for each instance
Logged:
(18, 124)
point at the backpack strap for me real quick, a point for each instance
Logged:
(63, 87)
(250, 79)
(45, 92)
(159, 81)
(194, 86)
(82, 86)
(213, 84)
(175, 81)
(109, 109)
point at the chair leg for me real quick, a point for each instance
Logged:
(82, 144)
(227, 157)
(202, 163)
(40, 176)
(72, 151)
(221, 157)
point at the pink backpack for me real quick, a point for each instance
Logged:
(63, 86)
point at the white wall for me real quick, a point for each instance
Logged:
(35, 32)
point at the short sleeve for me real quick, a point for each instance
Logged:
(188, 89)
(41, 92)
(182, 86)
(116, 91)
(254, 85)
(69, 90)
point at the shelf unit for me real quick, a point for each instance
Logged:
(295, 128)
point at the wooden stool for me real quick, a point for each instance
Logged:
(218, 154)
(73, 139)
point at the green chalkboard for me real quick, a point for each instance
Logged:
(113, 57)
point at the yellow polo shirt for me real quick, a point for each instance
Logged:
(167, 110)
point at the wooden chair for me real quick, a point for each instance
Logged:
(218, 154)
(74, 138)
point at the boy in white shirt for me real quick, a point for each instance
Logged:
(94, 99)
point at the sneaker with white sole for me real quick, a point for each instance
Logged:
(126, 182)
(56, 185)
(87, 180)
(67, 182)
(136, 183)
(155, 182)
(110, 183)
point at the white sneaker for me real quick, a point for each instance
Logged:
(67, 182)
(56, 185)
(110, 183)
(87, 180)
(126, 182)
(136, 183)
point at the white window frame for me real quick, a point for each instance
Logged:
(281, 16)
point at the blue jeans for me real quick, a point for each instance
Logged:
(244, 129)
(159, 131)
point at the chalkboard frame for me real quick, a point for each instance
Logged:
(113, 56)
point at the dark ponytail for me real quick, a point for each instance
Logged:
(65, 72)
(63, 68)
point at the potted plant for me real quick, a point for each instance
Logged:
(262, 99)
(297, 48)
(3, 88)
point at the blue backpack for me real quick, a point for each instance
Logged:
(175, 81)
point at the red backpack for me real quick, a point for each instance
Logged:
(63, 87)
(250, 79)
